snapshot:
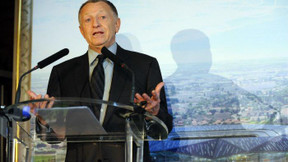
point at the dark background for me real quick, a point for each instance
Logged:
(7, 9)
(6, 50)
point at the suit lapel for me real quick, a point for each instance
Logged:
(82, 77)
(119, 80)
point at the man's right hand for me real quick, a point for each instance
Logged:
(39, 105)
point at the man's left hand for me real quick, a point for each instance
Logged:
(153, 102)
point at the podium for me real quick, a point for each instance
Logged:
(72, 121)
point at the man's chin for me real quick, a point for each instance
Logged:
(100, 45)
(96, 48)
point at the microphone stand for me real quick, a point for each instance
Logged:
(40, 65)
(137, 106)
(9, 134)
(18, 93)
(138, 110)
(9, 129)
(138, 136)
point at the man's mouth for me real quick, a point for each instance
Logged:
(98, 32)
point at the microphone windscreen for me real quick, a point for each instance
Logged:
(26, 112)
(111, 56)
(19, 114)
(53, 58)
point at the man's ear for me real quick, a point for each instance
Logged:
(117, 25)
(81, 30)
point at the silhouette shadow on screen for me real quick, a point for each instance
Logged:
(204, 106)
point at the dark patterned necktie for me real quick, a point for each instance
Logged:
(98, 79)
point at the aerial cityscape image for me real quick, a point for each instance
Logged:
(224, 64)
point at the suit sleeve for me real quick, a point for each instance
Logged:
(155, 77)
(53, 88)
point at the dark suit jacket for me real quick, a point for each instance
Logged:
(71, 79)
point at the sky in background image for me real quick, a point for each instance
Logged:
(236, 29)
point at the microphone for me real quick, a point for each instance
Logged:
(40, 65)
(53, 58)
(114, 58)
(16, 113)
(152, 127)
(121, 63)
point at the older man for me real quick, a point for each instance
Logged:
(99, 23)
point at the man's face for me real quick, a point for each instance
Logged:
(98, 25)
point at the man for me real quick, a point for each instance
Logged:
(99, 24)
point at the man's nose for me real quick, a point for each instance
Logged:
(96, 23)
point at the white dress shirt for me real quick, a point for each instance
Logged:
(108, 70)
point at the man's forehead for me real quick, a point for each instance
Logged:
(98, 6)
(93, 12)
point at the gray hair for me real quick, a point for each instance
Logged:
(110, 4)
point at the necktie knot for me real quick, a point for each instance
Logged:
(100, 58)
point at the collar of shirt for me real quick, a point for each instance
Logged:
(92, 54)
